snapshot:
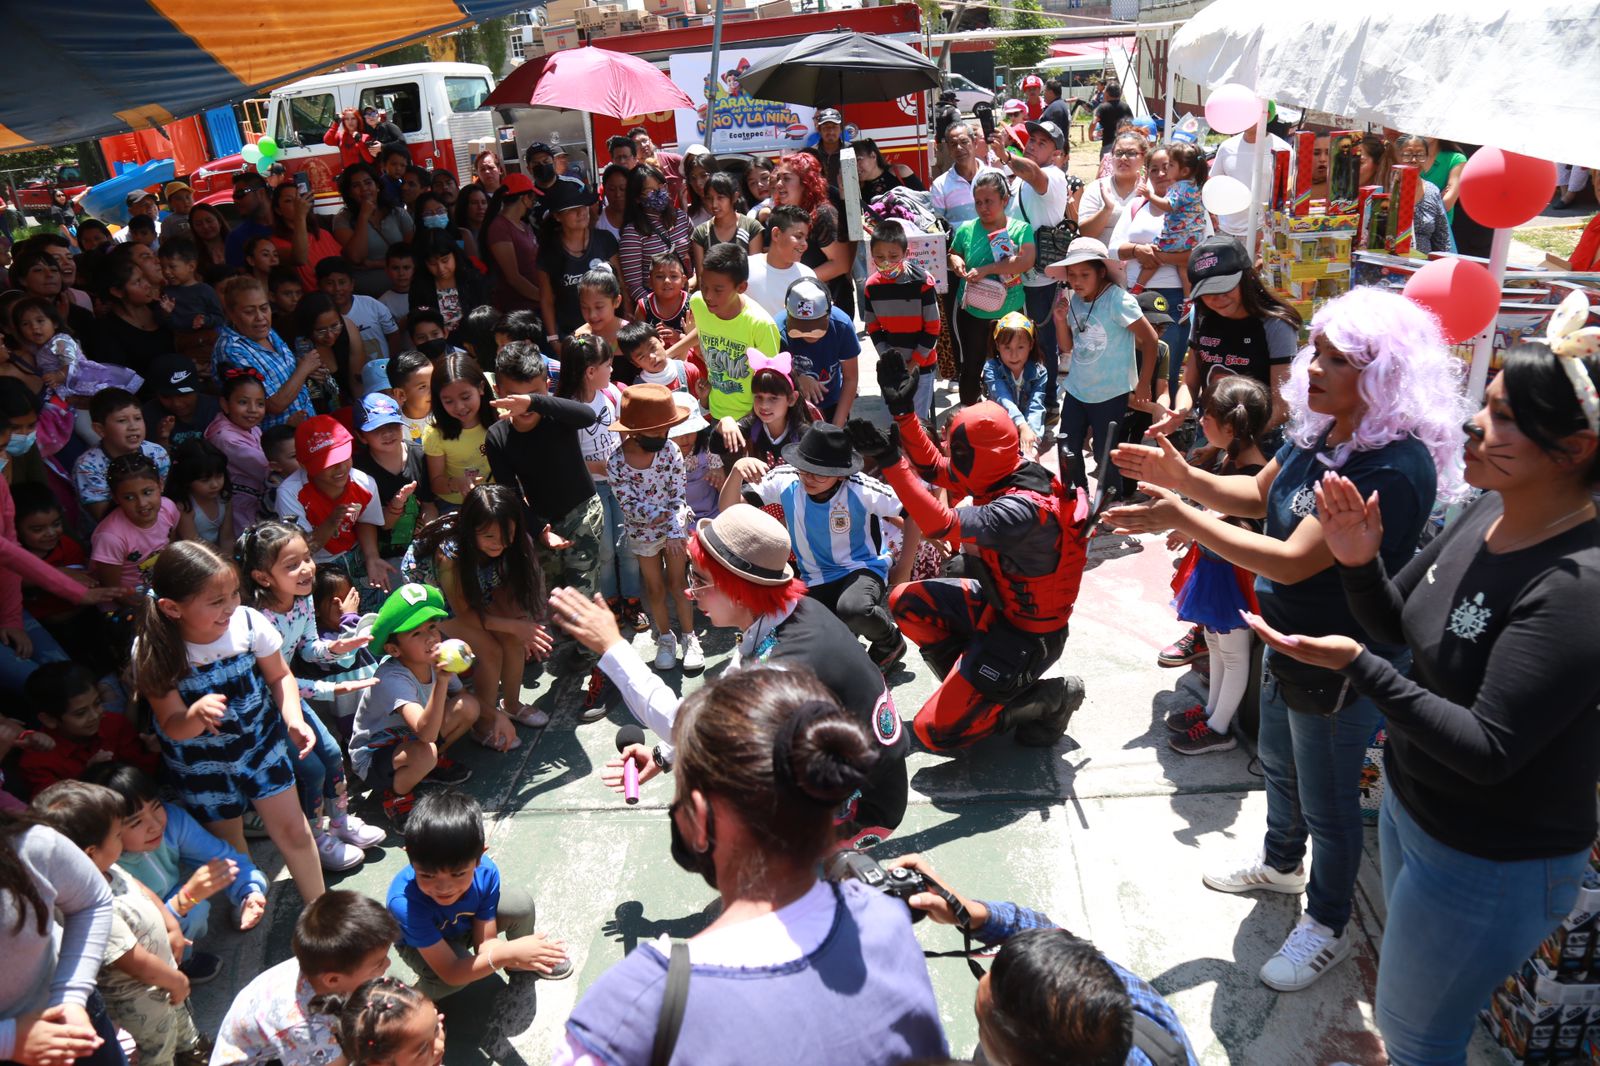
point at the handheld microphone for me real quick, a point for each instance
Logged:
(629, 734)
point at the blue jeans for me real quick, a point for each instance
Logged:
(1458, 924)
(619, 567)
(1176, 336)
(317, 776)
(14, 669)
(1077, 419)
(1312, 766)
(1038, 299)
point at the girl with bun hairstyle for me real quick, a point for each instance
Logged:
(385, 1022)
(765, 756)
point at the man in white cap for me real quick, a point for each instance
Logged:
(830, 139)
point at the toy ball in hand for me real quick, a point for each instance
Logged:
(455, 656)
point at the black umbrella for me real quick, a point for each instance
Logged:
(834, 69)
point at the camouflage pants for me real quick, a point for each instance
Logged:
(579, 565)
(161, 1030)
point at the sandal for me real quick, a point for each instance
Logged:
(526, 715)
(484, 740)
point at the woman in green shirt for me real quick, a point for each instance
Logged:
(1445, 171)
(989, 246)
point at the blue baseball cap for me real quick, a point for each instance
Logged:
(379, 409)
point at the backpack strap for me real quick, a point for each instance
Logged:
(1158, 1045)
(674, 1001)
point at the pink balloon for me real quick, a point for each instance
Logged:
(1503, 189)
(1462, 295)
(1232, 109)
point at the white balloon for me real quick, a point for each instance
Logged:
(1223, 195)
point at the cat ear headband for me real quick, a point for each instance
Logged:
(1570, 338)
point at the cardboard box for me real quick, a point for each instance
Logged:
(774, 9)
(667, 7)
(1314, 223)
(590, 17)
(1365, 193)
(931, 251)
(1344, 170)
(563, 10)
(1404, 184)
(559, 35)
(1304, 149)
(653, 24)
(1282, 198)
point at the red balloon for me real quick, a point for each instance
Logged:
(1503, 189)
(1462, 295)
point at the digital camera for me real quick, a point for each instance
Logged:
(900, 882)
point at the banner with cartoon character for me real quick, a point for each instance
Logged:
(744, 124)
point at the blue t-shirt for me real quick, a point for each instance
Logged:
(424, 923)
(1403, 474)
(825, 355)
(1105, 361)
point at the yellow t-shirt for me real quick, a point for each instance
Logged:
(723, 344)
(464, 453)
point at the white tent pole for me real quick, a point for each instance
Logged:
(1483, 347)
(1172, 83)
(1255, 179)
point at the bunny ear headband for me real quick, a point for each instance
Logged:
(1570, 338)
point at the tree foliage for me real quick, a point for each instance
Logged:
(1020, 53)
(485, 43)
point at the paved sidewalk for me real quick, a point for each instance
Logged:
(1108, 833)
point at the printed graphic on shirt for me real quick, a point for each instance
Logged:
(1470, 619)
(1304, 504)
(727, 363)
(1089, 344)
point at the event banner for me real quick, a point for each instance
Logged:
(744, 124)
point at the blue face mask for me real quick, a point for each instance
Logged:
(657, 199)
(20, 444)
(435, 221)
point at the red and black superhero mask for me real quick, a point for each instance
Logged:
(983, 448)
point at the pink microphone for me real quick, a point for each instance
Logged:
(627, 735)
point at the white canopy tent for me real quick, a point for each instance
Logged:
(1522, 75)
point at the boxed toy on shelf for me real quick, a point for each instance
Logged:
(1306, 257)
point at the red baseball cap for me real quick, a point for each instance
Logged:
(320, 442)
(516, 184)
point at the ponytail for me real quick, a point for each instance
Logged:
(181, 572)
(367, 1021)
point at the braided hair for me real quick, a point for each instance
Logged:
(368, 1021)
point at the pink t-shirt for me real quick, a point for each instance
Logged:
(247, 467)
(118, 540)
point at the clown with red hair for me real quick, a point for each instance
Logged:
(741, 578)
(993, 636)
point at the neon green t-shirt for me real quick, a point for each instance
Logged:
(723, 343)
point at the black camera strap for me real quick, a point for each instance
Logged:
(674, 1001)
(963, 921)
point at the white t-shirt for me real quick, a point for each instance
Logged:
(1096, 195)
(398, 303)
(1234, 158)
(768, 285)
(1045, 210)
(375, 322)
(1140, 225)
(597, 441)
(248, 630)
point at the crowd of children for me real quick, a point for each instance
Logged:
(255, 539)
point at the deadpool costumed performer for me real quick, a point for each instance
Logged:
(993, 638)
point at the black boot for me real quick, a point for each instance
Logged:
(1042, 718)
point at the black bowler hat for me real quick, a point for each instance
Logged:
(825, 451)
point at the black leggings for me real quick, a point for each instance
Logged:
(972, 335)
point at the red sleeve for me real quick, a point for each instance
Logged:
(935, 519)
(1588, 249)
(924, 454)
(119, 736)
(18, 563)
(331, 138)
(41, 769)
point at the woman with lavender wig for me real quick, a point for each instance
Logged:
(1378, 399)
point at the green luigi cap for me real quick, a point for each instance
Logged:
(407, 607)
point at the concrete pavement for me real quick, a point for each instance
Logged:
(1108, 833)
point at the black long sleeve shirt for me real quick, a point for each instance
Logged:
(1494, 741)
(544, 464)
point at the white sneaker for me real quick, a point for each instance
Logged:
(1257, 876)
(694, 660)
(1310, 951)
(666, 651)
(353, 830)
(336, 855)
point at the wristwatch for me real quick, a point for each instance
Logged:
(662, 759)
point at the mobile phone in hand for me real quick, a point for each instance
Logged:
(303, 181)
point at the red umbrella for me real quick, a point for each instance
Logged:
(591, 79)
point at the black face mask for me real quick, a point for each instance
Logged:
(435, 348)
(692, 861)
(650, 444)
(543, 172)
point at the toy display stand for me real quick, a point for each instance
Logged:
(1549, 1010)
